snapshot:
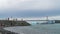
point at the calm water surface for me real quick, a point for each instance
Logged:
(36, 29)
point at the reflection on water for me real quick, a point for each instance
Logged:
(36, 29)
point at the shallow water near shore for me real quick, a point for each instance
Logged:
(36, 29)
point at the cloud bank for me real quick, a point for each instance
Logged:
(27, 4)
(29, 8)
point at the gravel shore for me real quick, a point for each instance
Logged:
(2, 31)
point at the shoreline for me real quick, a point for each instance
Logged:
(3, 31)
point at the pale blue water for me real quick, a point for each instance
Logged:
(36, 29)
(35, 22)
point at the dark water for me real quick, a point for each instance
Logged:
(36, 29)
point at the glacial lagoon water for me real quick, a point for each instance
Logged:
(36, 29)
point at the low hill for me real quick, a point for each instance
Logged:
(13, 23)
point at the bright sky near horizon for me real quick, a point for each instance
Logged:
(29, 8)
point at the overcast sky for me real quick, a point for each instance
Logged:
(29, 8)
